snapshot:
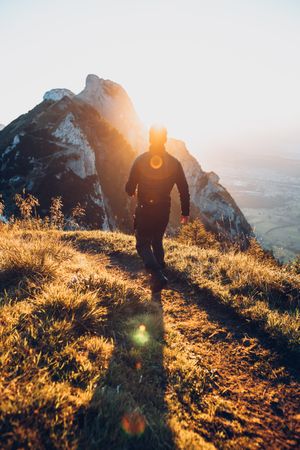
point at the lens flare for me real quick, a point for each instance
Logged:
(156, 162)
(141, 335)
(133, 423)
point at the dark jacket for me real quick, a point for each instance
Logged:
(155, 177)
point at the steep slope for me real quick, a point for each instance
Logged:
(64, 148)
(89, 359)
(113, 103)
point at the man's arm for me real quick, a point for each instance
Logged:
(183, 189)
(131, 184)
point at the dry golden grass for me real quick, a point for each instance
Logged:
(88, 359)
(27, 260)
(257, 289)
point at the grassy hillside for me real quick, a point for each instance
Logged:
(90, 360)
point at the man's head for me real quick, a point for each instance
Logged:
(157, 136)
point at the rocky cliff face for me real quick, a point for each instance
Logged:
(63, 147)
(113, 103)
(82, 146)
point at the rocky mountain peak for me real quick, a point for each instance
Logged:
(57, 94)
(100, 87)
(113, 103)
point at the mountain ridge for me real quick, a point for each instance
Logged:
(64, 128)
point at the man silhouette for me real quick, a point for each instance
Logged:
(154, 173)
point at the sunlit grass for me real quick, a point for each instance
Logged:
(88, 360)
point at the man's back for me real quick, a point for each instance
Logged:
(155, 176)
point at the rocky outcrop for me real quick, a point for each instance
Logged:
(64, 148)
(113, 103)
(81, 147)
(57, 94)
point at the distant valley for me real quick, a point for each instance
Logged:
(267, 189)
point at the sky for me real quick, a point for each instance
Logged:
(220, 74)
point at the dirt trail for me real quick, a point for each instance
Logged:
(254, 400)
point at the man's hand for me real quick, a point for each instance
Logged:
(184, 220)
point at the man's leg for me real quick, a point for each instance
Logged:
(143, 229)
(157, 237)
(145, 226)
(158, 249)
(143, 247)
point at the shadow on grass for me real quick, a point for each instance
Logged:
(87, 244)
(285, 298)
(225, 315)
(17, 285)
(128, 409)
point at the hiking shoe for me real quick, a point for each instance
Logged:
(158, 281)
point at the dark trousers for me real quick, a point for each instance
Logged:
(150, 223)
